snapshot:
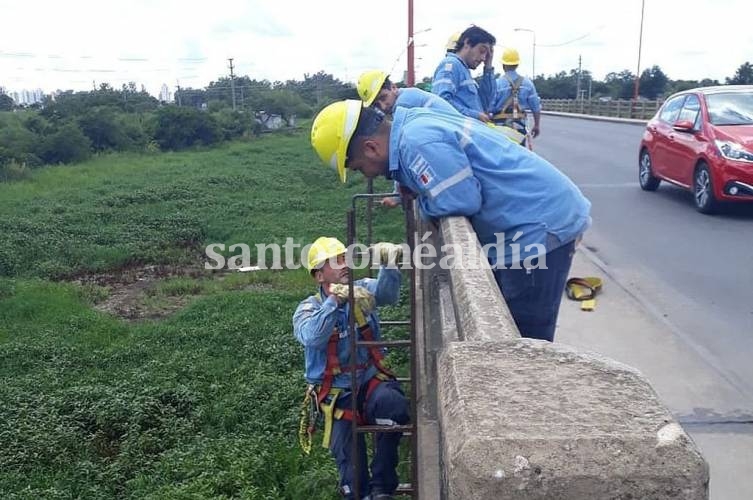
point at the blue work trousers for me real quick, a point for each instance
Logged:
(386, 402)
(534, 295)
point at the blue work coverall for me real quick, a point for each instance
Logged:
(314, 322)
(525, 212)
(453, 83)
(416, 98)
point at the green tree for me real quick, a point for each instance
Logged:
(743, 75)
(181, 127)
(285, 103)
(6, 102)
(653, 82)
(620, 84)
(101, 126)
(67, 145)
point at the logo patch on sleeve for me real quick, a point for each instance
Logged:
(448, 67)
(423, 173)
(426, 176)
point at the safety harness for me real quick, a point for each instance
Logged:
(511, 110)
(321, 399)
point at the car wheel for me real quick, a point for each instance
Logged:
(645, 173)
(703, 190)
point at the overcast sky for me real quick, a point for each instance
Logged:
(70, 44)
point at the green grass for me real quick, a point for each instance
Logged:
(126, 209)
(202, 403)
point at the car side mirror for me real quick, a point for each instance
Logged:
(683, 126)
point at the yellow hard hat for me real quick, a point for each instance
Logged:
(510, 57)
(322, 250)
(369, 85)
(452, 42)
(331, 132)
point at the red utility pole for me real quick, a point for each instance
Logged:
(411, 79)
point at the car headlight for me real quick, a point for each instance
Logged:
(734, 151)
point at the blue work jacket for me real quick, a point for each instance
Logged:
(317, 316)
(412, 97)
(459, 166)
(453, 83)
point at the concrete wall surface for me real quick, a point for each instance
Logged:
(527, 419)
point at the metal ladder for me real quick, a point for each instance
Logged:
(407, 489)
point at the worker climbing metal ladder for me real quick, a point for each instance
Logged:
(411, 488)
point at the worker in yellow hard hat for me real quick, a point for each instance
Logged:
(376, 89)
(321, 324)
(453, 81)
(522, 208)
(452, 43)
(516, 94)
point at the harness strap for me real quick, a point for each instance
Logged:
(511, 106)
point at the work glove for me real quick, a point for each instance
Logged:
(388, 254)
(363, 298)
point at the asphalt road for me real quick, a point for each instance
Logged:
(693, 271)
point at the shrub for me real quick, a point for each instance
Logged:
(101, 125)
(13, 171)
(67, 145)
(233, 123)
(18, 144)
(179, 128)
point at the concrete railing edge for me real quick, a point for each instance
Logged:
(489, 366)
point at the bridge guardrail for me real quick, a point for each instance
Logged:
(618, 108)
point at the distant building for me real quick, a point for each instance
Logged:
(273, 122)
(27, 97)
(164, 93)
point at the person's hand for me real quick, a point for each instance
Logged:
(485, 117)
(391, 201)
(363, 298)
(388, 254)
(535, 131)
(489, 60)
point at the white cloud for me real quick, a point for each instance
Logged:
(71, 44)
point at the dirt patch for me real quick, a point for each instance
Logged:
(127, 291)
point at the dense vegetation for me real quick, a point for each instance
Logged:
(74, 125)
(200, 403)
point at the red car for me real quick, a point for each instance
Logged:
(702, 140)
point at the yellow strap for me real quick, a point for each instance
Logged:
(329, 411)
(360, 318)
(304, 436)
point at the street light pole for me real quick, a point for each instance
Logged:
(533, 54)
(640, 43)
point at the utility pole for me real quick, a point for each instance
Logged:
(232, 81)
(411, 79)
(640, 43)
(577, 91)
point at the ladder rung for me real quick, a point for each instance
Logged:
(407, 429)
(384, 343)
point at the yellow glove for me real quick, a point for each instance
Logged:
(388, 254)
(363, 298)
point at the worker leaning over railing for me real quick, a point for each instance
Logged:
(321, 324)
(376, 90)
(458, 166)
